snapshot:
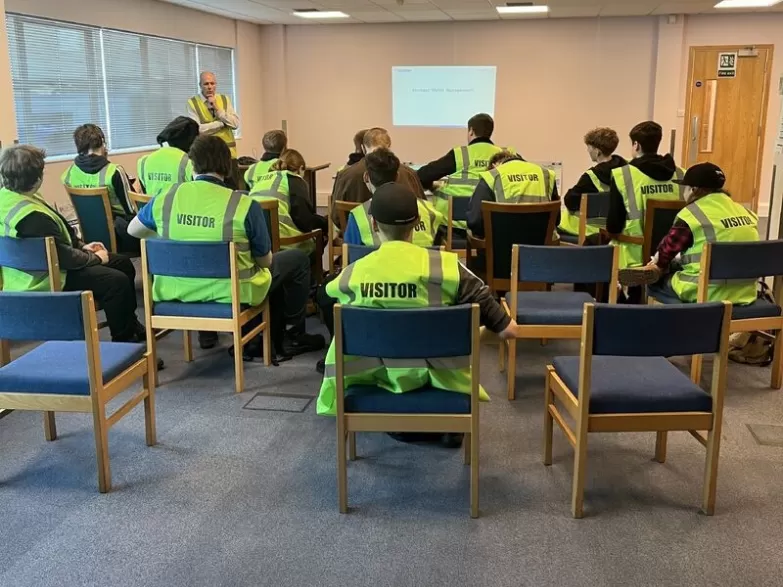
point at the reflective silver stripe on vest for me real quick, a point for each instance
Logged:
(630, 194)
(497, 186)
(678, 173)
(688, 278)
(242, 247)
(194, 102)
(545, 171)
(376, 239)
(435, 280)
(11, 213)
(463, 181)
(68, 176)
(183, 166)
(706, 225)
(249, 273)
(465, 162)
(228, 217)
(345, 284)
(688, 259)
(361, 364)
(274, 191)
(527, 200)
(252, 173)
(143, 165)
(102, 176)
(168, 205)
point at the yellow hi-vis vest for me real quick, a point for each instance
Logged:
(398, 275)
(471, 161)
(569, 221)
(14, 208)
(203, 211)
(715, 218)
(521, 182)
(636, 188)
(274, 186)
(256, 171)
(424, 233)
(163, 169)
(74, 177)
(205, 117)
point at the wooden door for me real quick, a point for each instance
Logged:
(726, 112)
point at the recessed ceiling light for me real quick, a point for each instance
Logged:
(316, 14)
(747, 3)
(522, 8)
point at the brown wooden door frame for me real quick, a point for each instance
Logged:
(764, 105)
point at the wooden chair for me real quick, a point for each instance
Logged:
(659, 216)
(139, 200)
(369, 333)
(88, 374)
(506, 225)
(93, 211)
(200, 260)
(553, 314)
(458, 210)
(622, 382)
(333, 246)
(343, 210)
(593, 210)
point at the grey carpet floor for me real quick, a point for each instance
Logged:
(238, 496)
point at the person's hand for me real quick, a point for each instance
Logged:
(103, 255)
(94, 247)
(510, 331)
(211, 102)
(437, 185)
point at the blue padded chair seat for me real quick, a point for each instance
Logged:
(61, 367)
(459, 244)
(427, 400)
(568, 238)
(759, 309)
(627, 385)
(192, 309)
(550, 307)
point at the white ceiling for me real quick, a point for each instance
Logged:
(369, 11)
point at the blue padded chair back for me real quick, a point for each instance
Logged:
(515, 229)
(24, 254)
(565, 264)
(407, 334)
(356, 252)
(597, 205)
(662, 221)
(460, 208)
(657, 331)
(188, 259)
(41, 316)
(94, 224)
(746, 260)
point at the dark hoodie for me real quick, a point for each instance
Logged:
(93, 164)
(585, 185)
(657, 167)
(354, 158)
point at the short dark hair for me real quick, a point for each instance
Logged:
(382, 166)
(482, 125)
(274, 141)
(87, 137)
(21, 167)
(603, 139)
(502, 157)
(210, 154)
(649, 135)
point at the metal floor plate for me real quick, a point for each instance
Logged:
(278, 402)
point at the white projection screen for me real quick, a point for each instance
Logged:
(445, 96)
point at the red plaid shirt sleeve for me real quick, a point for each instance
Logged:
(678, 240)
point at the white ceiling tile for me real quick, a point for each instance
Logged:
(628, 8)
(467, 15)
(685, 7)
(574, 11)
(375, 16)
(423, 15)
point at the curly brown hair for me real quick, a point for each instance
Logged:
(603, 139)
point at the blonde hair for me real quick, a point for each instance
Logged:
(377, 137)
(289, 160)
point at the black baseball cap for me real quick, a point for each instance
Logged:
(394, 204)
(704, 175)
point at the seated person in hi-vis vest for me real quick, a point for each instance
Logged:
(25, 214)
(206, 210)
(295, 213)
(92, 169)
(382, 168)
(273, 142)
(402, 275)
(711, 216)
(510, 180)
(458, 172)
(214, 112)
(170, 165)
(601, 145)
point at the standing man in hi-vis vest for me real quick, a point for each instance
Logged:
(214, 112)
(461, 167)
(382, 168)
(510, 180)
(601, 145)
(274, 143)
(25, 214)
(92, 169)
(647, 175)
(207, 210)
(170, 165)
(711, 216)
(402, 275)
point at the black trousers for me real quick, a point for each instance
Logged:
(113, 289)
(326, 303)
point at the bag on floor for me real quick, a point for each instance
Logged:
(751, 348)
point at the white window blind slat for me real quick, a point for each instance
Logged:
(58, 77)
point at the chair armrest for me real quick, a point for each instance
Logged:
(292, 240)
(476, 243)
(624, 238)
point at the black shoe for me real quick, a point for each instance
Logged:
(255, 349)
(448, 440)
(320, 366)
(300, 343)
(207, 340)
(161, 365)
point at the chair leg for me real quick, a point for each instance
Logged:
(466, 446)
(777, 362)
(711, 471)
(474, 475)
(50, 426)
(511, 368)
(544, 341)
(152, 349)
(696, 364)
(660, 446)
(580, 464)
(149, 407)
(266, 337)
(352, 446)
(188, 345)
(548, 421)
(342, 469)
(239, 368)
(101, 432)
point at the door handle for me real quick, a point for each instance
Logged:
(694, 150)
